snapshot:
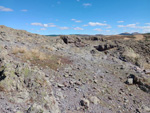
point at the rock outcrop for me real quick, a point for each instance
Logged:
(73, 74)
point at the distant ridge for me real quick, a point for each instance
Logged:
(126, 33)
(52, 35)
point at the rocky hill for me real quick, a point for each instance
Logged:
(73, 74)
(126, 33)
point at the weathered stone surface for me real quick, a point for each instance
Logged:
(130, 81)
(70, 75)
(146, 108)
(85, 103)
(94, 100)
(147, 71)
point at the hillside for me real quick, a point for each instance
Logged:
(74, 74)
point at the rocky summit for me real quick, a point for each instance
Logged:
(73, 73)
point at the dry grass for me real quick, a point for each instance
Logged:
(146, 66)
(36, 57)
(30, 54)
(35, 53)
(131, 53)
(116, 37)
(2, 89)
(16, 50)
(47, 47)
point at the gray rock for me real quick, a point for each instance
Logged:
(60, 85)
(66, 75)
(94, 100)
(146, 108)
(130, 81)
(78, 83)
(85, 103)
(147, 71)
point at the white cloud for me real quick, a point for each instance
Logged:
(2, 8)
(52, 25)
(120, 21)
(107, 30)
(96, 24)
(77, 21)
(120, 25)
(63, 28)
(87, 4)
(146, 30)
(143, 27)
(108, 27)
(36, 24)
(98, 29)
(44, 25)
(43, 29)
(147, 23)
(129, 26)
(78, 28)
(24, 10)
(134, 26)
(147, 27)
(85, 25)
(73, 19)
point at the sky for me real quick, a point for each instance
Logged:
(48, 17)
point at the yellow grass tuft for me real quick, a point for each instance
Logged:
(36, 57)
(16, 50)
(30, 54)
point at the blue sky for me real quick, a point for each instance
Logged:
(76, 16)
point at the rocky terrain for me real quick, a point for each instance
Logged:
(74, 74)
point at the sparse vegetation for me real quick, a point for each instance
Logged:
(2, 89)
(39, 58)
(39, 73)
(16, 50)
(30, 54)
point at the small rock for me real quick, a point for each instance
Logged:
(147, 71)
(78, 83)
(122, 67)
(109, 98)
(92, 52)
(146, 108)
(66, 84)
(60, 94)
(19, 112)
(71, 82)
(71, 75)
(77, 108)
(46, 75)
(85, 102)
(130, 81)
(95, 81)
(94, 100)
(138, 111)
(60, 85)
(125, 100)
(130, 94)
(77, 89)
(66, 75)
